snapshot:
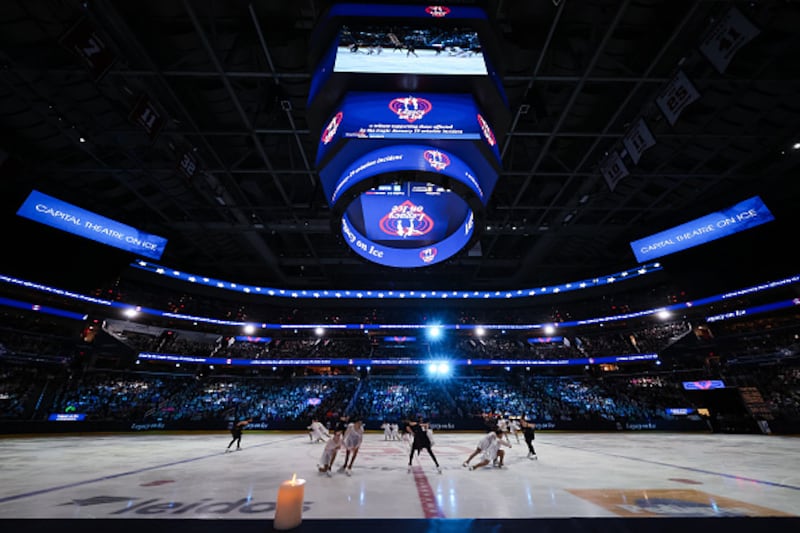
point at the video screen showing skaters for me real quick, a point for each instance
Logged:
(372, 39)
(236, 433)
(422, 440)
(489, 450)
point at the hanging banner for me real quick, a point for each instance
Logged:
(726, 37)
(742, 216)
(679, 93)
(58, 214)
(146, 115)
(83, 40)
(613, 169)
(637, 140)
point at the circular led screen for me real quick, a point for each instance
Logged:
(407, 205)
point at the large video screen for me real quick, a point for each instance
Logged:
(407, 117)
(407, 215)
(405, 49)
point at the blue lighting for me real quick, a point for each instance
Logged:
(435, 332)
(122, 306)
(608, 279)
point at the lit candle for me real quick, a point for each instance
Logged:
(289, 509)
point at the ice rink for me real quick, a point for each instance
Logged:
(166, 476)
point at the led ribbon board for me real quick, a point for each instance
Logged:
(55, 213)
(742, 216)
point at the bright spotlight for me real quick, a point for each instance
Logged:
(444, 369)
(663, 314)
(433, 368)
(434, 332)
(249, 329)
(549, 329)
(319, 331)
(479, 331)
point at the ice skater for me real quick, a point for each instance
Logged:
(351, 442)
(317, 432)
(529, 435)
(422, 441)
(489, 450)
(333, 445)
(236, 433)
(515, 428)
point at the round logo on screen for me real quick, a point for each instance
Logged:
(410, 108)
(332, 128)
(487, 131)
(406, 220)
(436, 159)
(437, 11)
(427, 255)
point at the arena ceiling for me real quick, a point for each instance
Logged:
(230, 80)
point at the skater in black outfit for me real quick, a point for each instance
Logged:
(419, 430)
(236, 433)
(528, 433)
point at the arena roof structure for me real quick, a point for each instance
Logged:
(627, 118)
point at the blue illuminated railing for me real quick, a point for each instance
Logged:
(467, 327)
(395, 294)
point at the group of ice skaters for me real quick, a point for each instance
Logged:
(346, 434)
(417, 435)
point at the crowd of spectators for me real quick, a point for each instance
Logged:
(144, 396)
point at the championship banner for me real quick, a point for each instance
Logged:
(146, 115)
(637, 140)
(679, 93)
(83, 40)
(188, 165)
(613, 169)
(726, 37)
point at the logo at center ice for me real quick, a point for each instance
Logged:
(410, 108)
(406, 220)
(436, 159)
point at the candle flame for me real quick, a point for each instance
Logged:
(294, 478)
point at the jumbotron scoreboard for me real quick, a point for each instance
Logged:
(406, 103)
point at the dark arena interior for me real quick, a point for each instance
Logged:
(577, 216)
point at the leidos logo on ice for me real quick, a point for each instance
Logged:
(436, 159)
(410, 108)
(406, 220)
